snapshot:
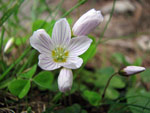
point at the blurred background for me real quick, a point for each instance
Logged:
(126, 41)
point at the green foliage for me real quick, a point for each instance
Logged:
(146, 76)
(20, 40)
(120, 58)
(10, 11)
(137, 62)
(42, 24)
(139, 100)
(18, 75)
(44, 79)
(6, 82)
(112, 93)
(100, 78)
(29, 73)
(92, 97)
(75, 108)
(19, 87)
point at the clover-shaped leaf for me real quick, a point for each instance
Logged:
(92, 97)
(44, 79)
(19, 87)
(138, 97)
(29, 72)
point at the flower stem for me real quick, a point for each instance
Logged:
(108, 82)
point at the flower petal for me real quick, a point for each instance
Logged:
(47, 63)
(61, 34)
(73, 63)
(79, 45)
(41, 41)
(65, 79)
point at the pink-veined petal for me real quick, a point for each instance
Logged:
(73, 63)
(41, 41)
(61, 34)
(79, 45)
(46, 62)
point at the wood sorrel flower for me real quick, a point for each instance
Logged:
(87, 22)
(60, 51)
(131, 70)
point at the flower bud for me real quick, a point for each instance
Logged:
(65, 80)
(131, 70)
(8, 44)
(87, 22)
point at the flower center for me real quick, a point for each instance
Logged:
(60, 54)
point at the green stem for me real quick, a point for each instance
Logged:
(16, 62)
(106, 26)
(108, 82)
(74, 7)
(2, 38)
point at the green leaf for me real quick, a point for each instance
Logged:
(29, 72)
(75, 108)
(140, 98)
(38, 24)
(19, 87)
(6, 82)
(112, 93)
(100, 79)
(44, 79)
(25, 90)
(145, 76)
(90, 52)
(107, 71)
(120, 58)
(20, 40)
(116, 82)
(138, 62)
(70, 21)
(104, 74)
(42, 24)
(92, 97)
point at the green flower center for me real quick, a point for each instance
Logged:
(60, 54)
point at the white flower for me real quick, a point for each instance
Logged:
(131, 70)
(8, 44)
(87, 22)
(65, 79)
(60, 50)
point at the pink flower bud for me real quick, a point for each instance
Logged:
(65, 80)
(87, 22)
(131, 70)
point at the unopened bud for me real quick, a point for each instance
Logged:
(131, 70)
(87, 22)
(8, 44)
(65, 80)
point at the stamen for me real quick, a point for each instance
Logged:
(60, 54)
